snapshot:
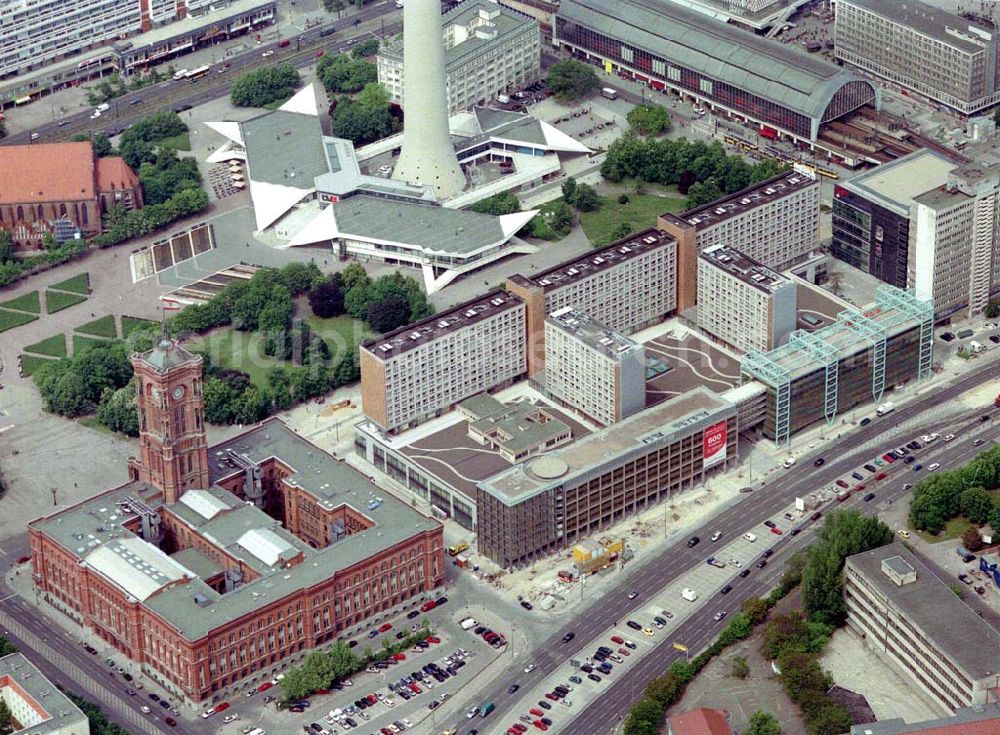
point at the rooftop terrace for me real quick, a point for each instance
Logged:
(758, 195)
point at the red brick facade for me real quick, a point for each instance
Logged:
(252, 647)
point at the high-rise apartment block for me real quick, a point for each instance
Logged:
(626, 286)
(775, 222)
(743, 303)
(490, 49)
(422, 370)
(949, 58)
(872, 213)
(909, 617)
(955, 259)
(594, 369)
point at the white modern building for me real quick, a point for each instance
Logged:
(593, 369)
(954, 258)
(36, 705)
(910, 618)
(490, 49)
(314, 192)
(743, 303)
(422, 370)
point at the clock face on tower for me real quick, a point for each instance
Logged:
(178, 392)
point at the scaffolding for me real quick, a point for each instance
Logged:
(829, 356)
(855, 331)
(921, 312)
(875, 332)
(760, 366)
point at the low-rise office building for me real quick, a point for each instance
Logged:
(910, 618)
(626, 286)
(949, 58)
(571, 493)
(872, 220)
(490, 49)
(818, 375)
(597, 371)
(742, 302)
(775, 222)
(423, 370)
(36, 705)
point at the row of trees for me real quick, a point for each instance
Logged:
(322, 669)
(265, 85)
(127, 224)
(385, 303)
(111, 87)
(964, 491)
(645, 717)
(347, 73)
(702, 171)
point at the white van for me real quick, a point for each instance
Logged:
(790, 462)
(689, 594)
(468, 623)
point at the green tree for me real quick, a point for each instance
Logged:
(389, 313)
(993, 307)
(842, 534)
(251, 407)
(6, 647)
(755, 609)
(326, 298)
(367, 119)
(741, 669)
(498, 204)
(299, 682)
(976, 504)
(762, 723)
(344, 74)
(645, 718)
(649, 119)
(368, 47)
(117, 410)
(972, 539)
(569, 190)
(265, 85)
(102, 146)
(570, 80)
(586, 198)
(333, 6)
(6, 717)
(219, 402)
(995, 518)
(6, 246)
(703, 192)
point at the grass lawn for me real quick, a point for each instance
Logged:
(130, 324)
(340, 332)
(26, 302)
(59, 300)
(651, 187)
(101, 327)
(179, 142)
(31, 363)
(81, 343)
(11, 319)
(244, 351)
(54, 346)
(953, 529)
(602, 225)
(80, 283)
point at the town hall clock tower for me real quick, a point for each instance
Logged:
(173, 448)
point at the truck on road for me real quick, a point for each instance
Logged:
(689, 594)
(609, 93)
(885, 408)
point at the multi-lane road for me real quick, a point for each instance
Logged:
(179, 94)
(842, 458)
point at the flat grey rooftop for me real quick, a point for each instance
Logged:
(192, 607)
(284, 148)
(506, 24)
(429, 227)
(595, 335)
(924, 19)
(55, 711)
(937, 611)
(745, 200)
(744, 268)
(894, 185)
(977, 720)
(774, 71)
(521, 426)
(678, 417)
